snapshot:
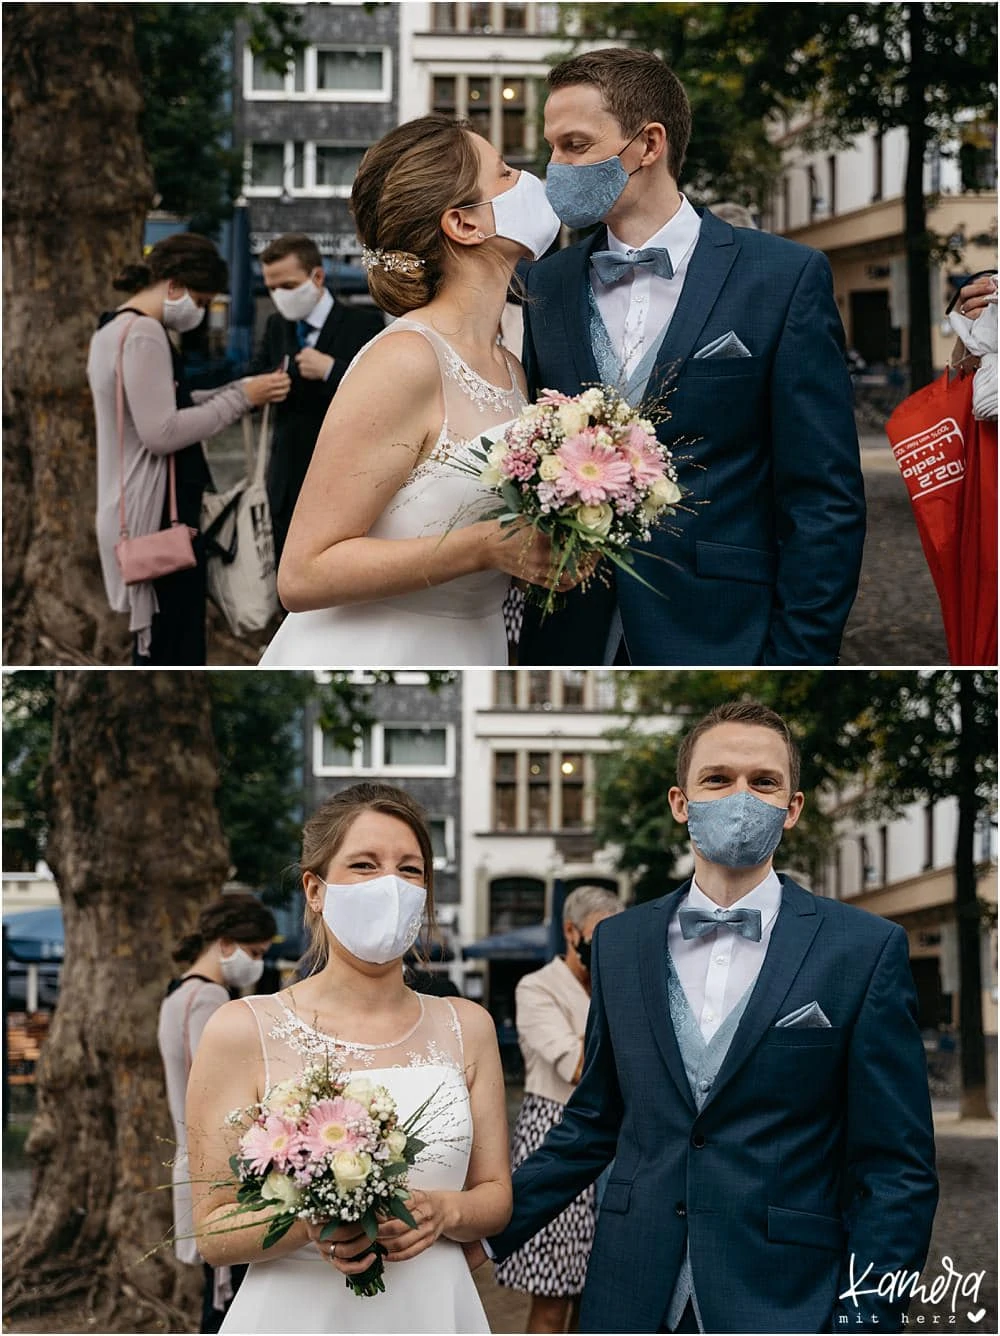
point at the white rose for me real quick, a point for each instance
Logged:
(664, 492)
(351, 1169)
(280, 1188)
(396, 1141)
(361, 1089)
(281, 1097)
(550, 468)
(491, 477)
(498, 453)
(597, 519)
(572, 418)
(592, 400)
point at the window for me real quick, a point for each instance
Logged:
(305, 168)
(540, 690)
(505, 689)
(516, 902)
(539, 791)
(444, 93)
(573, 687)
(267, 166)
(352, 69)
(513, 103)
(392, 749)
(481, 17)
(505, 791)
(515, 18)
(443, 17)
(572, 787)
(479, 113)
(336, 167)
(344, 73)
(442, 829)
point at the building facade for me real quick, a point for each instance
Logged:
(304, 132)
(848, 203)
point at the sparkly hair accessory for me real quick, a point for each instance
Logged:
(392, 261)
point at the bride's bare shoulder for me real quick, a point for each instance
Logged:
(403, 357)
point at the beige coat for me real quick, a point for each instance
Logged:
(551, 1015)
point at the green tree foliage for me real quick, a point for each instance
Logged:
(186, 55)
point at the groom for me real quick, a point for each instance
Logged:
(741, 330)
(753, 1067)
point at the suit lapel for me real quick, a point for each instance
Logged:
(653, 976)
(714, 255)
(576, 309)
(791, 937)
(331, 325)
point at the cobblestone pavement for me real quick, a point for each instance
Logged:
(895, 620)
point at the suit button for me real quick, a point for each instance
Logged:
(680, 1209)
(698, 1140)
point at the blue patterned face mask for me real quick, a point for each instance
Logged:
(737, 831)
(584, 193)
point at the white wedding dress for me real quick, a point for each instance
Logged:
(457, 624)
(434, 1292)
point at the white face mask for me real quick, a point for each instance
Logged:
(376, 920)
(524, 214)
(296, 303)
(182, 313)
(240, 970)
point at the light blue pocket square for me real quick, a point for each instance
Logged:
(726, 345)
(809, 1017)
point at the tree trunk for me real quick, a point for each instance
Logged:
(973, 1045)
(76, 189)
(918, 239)
(136, 846)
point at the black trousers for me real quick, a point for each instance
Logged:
(211, 1318)
(178, 632)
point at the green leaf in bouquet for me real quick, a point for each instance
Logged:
(414, 1146)
(328, 1230)
(369, 1224)
(248, 1192)
(394, 1170)
(277, 1229)
(397, 1209)
(234, 1165)
(511, 496)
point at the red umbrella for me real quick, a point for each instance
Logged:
(948, 460)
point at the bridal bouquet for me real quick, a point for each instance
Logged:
(589, 472)
(327, 1147)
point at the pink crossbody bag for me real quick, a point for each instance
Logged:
(150, 555)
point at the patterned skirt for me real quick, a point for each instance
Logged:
(554, 1263)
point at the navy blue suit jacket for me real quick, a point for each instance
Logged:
(812, 1144)
(766, 555)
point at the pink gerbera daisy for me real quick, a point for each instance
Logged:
(643, 457)
(336, 1124)
(273, 1142)
(591, 471)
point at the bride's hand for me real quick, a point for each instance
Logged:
(400, 1241)
(521, 551)
(348, 1248)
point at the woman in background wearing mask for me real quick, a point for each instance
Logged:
(551, 1015)
(367, 873)
(163, 421)
(226, 951)
(388, 558)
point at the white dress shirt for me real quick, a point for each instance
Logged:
(717, 969)
(637, 308)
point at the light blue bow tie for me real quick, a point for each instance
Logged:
(613, 265)
(698, 922)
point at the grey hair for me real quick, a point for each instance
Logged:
(587, 900)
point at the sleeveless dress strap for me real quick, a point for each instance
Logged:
(263, 1044)
(456, 1026)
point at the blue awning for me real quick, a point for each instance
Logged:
(35, 936)
(531, 943)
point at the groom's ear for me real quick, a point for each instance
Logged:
(678, 804)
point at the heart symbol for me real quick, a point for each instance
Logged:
(977, 1316)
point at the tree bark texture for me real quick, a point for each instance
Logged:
(137, 848)
(76, 189)
(918, 239)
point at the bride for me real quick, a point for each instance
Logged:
(389, 560)
(366, 860)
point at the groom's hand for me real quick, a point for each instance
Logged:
(475, 1254)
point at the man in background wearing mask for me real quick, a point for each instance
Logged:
(754, 1065)
(737, 336)
(319, 337)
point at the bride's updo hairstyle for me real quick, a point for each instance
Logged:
(404, 184)
(325, 832)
